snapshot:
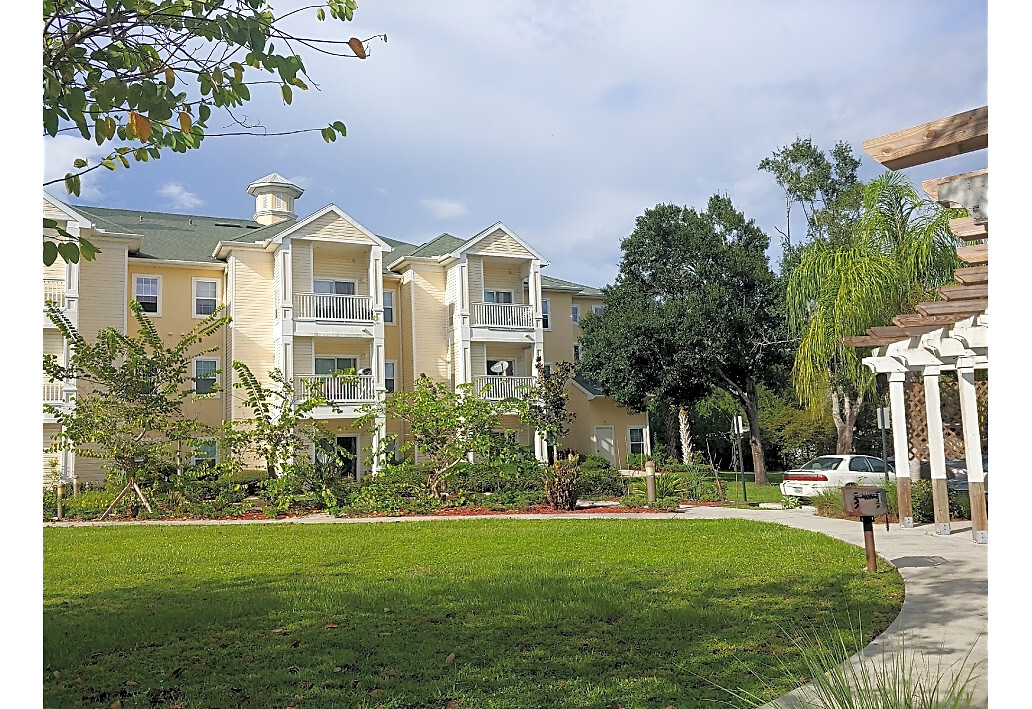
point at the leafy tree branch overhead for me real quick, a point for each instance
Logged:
(146, 75)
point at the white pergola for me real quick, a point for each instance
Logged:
(946, 335)
(961, 347)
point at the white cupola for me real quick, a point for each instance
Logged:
(274, 198)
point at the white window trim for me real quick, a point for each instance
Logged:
(394, 307)
(496, 291)
(218, 366)
(358, 361)
(157, 313)
(576, 351)
(644, 433)
(544, 303)
(194, 458)
(395, 377)
(193, 295)
(352, 281)
(596, 309)
(575, 313)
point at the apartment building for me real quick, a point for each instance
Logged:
(314, 295)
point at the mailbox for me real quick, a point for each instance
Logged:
(864, 501)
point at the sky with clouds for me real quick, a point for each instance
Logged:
(567, 120)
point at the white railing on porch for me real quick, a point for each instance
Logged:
(325, 306)
(498, 388)
(503, 315)
(53, 392)
(54, 291)
(343, 390)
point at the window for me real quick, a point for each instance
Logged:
(859, 465)
(205, 454)
(498, 296)
(388, 306)
(575, 313)
(877, 465)
(544, 313)
(147, 292)
(389, 380)
(205, 375)
(597, 309)
(328, 287)
(391, 450)
(576, 352)
(325, 366)
(636, 440)
(205, 297)
(548, 368)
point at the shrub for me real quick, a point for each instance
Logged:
(560, 481)
(790, 502)
(598, 478)
(492, 476)
(49, 503)
(634, 501)
(92, 503)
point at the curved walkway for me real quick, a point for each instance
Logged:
(944, 613)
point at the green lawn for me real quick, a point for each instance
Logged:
(767, 493)
(476, 613)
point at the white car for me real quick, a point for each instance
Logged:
(830, 472)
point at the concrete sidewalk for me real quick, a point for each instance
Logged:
(944, 615)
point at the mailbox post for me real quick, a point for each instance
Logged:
(866, 502)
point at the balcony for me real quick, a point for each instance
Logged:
(54, 292)
(53, 392)
(502, 315)
(360, 389)
(497, 388)
(339, 308)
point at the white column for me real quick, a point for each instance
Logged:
(936, 448)
(969, 420)
(898, 413)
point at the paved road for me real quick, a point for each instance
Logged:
(944, 614)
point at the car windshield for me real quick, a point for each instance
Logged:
(825, 462)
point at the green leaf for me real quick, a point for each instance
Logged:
(87, 250)
(69, 252)
(72, 184)
(339, 127)
(79, 163)
(320, 14)
(288, 95)
(49, 223)
(49, 253)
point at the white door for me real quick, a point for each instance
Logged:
(604, 443)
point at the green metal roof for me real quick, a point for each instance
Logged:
(179, 237)
(439, 246)
(589, 385)
(549, 283)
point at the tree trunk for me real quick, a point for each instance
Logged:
(686, 436)
(752, 412)
(844, 412)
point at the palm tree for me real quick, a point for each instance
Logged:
(897, 254)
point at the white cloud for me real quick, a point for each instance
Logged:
(444, 208)
(302, 181)
(179, 197)
(58, 156)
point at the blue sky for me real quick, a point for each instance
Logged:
(567, 120)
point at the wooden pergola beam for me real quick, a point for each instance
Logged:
(944, 307)
(966, 229)
(974, 276)
(964, 292)
(941, 138)
(916, 319)
(868, 341)
(931, 186)
(976, 254)
(898, 332)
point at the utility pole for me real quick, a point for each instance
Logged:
(883, 424)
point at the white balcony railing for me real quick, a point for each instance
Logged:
(53, 392)
(498, 388)
(340, 390)
(54, 291)
(503, 315)
(324, 306)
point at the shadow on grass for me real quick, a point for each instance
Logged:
(519, 636)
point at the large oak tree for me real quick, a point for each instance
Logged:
(695, 308)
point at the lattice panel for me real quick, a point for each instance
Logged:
(917, 417)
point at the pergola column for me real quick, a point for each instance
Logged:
(973, 453)
(901, 447)
(936, 451)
